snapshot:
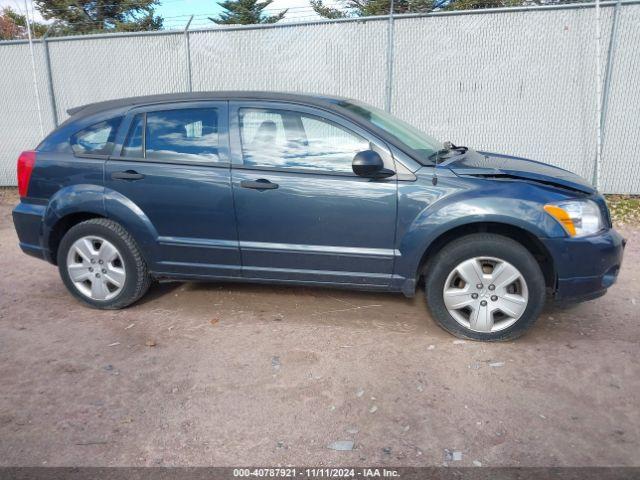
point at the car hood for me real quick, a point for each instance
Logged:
(494, 165)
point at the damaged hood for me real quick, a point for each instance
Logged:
(493, 165)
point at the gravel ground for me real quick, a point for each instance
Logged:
(233, 374)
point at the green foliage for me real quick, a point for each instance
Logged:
(96, 16)
(365, 8)
(246, 12)
(14, 26)
(327, 12)
(478, 4)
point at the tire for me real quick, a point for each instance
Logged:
(508, 310)
(120, 279)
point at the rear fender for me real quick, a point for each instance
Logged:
(82, 198)
(103, 202)
(124, 211)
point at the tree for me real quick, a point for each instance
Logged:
(14, 26)
(94, 16)
(246, 12)
(477, 4)
(365, 8)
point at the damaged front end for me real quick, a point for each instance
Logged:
(496, 166)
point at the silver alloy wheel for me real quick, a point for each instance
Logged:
(486, 294)
(96, 268)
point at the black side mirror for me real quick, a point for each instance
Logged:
(369, 164)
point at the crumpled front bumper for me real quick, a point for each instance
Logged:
(585, 267)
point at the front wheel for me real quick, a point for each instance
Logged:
(485, 287)
(101, 264)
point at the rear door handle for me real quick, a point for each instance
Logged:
(127, 175)
(260, 184)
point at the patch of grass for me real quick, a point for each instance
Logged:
(625, 209)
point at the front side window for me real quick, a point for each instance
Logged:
(288, 139)
(189, 134)
(97, 139)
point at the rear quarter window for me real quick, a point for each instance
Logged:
(97, 139)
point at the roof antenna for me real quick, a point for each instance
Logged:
(434, 179)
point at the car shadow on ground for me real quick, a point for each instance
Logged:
(335, 306)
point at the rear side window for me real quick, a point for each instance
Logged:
(189, 134)
(97, 139)
(133, 146)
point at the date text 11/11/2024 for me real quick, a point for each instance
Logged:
(316, 472)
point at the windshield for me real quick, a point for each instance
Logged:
(422, 145)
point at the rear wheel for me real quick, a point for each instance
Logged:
(101, 264)
(485, 287)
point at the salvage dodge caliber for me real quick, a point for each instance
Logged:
(313, 190)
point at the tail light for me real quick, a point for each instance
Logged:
(26, 162)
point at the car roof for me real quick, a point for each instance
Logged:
(312, 99)
(326, 102)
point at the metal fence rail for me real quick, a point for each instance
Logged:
(519, 80)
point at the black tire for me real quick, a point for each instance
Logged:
(446, 260)
(137, 279)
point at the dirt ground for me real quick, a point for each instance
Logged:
(234, 374)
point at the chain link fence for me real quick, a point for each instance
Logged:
(520, 81)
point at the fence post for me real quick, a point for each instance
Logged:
(188, 54)
(47, 60)
(606, 89)
(33, 68)
(389, 89)
(598, 35)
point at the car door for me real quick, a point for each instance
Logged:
(302, 214)
(172, 162)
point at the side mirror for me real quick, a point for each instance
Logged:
(369, 164)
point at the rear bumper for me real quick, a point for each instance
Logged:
(27, 219)
(586, 267)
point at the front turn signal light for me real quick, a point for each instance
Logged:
(562, 216)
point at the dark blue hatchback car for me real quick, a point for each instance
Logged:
(314, 190)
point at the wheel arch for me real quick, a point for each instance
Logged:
(68, 207)
(519, 234)
(73, 205)
(62, 226)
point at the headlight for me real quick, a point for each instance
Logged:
(578, 217)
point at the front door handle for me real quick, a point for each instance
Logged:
(260, 184)
(127, 175)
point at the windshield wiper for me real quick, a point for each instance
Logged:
(456, 148)
(448, 147)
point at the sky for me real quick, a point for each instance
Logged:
(177, 12)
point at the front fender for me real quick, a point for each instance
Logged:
(471, 207)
